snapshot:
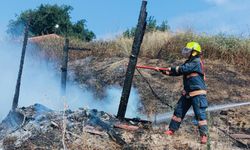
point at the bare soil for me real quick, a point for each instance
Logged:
(225, 83)
(91, 129)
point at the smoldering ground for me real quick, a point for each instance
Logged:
(41, 84)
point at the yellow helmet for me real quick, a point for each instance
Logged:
(194, 46)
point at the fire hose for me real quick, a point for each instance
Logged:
(152, 90)
(152, 68)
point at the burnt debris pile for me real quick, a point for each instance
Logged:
(38, 126)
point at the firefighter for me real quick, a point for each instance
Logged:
(194, 93)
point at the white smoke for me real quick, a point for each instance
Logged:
(41, 84)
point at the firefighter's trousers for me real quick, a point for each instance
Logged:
(199, 104)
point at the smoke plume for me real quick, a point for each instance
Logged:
(41, 84)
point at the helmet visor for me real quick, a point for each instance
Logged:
(186, 51)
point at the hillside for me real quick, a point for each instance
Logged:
(228, 80)
(225, 83)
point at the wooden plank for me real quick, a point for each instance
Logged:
(240, 143)
(240, 136)
(93, 130)
(138, 120)
(79, 49)
(126, 127)
(96, 121)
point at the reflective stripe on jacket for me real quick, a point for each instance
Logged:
(193, 75)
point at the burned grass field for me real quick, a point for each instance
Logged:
(92, 129)
(104, 66)
(75, 93)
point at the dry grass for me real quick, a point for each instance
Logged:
(153, 43)
(162, 45)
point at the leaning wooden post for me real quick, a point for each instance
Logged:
(18, 84)
(64, 66)
(139, 33)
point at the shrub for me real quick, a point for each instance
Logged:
(161, 45)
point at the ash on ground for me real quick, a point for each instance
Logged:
(38, 127)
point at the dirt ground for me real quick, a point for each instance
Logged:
(225, 83)
(91, 129)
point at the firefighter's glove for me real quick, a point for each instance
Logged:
(157, 69)
(163, 71)
(166, 72)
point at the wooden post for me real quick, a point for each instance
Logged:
(133, 60)
(64, 67)
(18, 84)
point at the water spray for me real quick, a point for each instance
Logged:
(164, 117)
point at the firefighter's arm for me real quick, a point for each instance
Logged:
(186, 68)
(172, 71)
(166, 72)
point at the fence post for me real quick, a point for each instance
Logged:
(18, 84)
(64, 67)
(133, 60)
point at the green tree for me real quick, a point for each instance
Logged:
(129, 32)
(44, 19)
(80, 31)
(151, 24)
(151, 27)
(163, 27)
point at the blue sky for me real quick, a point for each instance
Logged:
(110, 17)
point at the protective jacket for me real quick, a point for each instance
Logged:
(194, 94)
(193, 74)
